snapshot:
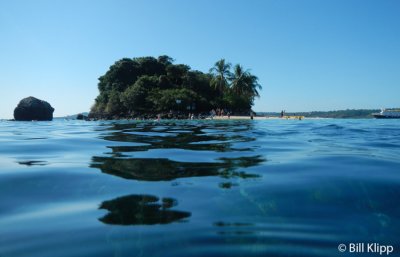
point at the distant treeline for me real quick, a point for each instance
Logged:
(340, 114)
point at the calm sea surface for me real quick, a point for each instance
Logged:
(198, 188)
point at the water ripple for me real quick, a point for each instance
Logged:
(197, 188)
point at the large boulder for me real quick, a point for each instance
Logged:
(31, 108)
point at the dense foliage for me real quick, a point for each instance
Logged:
(150, 86)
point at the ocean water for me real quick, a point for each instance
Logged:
(198, 188)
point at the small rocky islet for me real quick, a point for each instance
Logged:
(31, 108)
(149, 88)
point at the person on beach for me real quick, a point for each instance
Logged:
(212, 113)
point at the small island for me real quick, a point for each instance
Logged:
(148, 87)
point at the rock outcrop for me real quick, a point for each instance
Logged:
(80, 116)
(31, 108)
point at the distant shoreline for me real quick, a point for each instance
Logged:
(258, 118)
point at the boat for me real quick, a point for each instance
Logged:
(387, 114)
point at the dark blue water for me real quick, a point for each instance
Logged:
(198, 188)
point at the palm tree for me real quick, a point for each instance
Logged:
(244, 83)
(221, 73)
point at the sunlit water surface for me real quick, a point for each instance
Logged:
(198, 188)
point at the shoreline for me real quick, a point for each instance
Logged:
(259, 118)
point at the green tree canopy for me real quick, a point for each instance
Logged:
(243, 82)
(148, 85)
(221, 73)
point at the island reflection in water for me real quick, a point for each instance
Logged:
(141, 210)
(131, 158)
(189, 136)
(200, 138)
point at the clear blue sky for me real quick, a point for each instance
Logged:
(308, 55)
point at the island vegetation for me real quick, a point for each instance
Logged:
(145, 87)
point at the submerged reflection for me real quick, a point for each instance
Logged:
(164, 169)
(236, 228)
(32, 163)
(141, 210)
